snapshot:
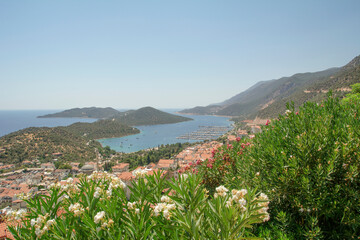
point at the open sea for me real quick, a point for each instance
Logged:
(14, 120)
(149, 137)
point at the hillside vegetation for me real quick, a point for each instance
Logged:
(149, 116)
(308, 162)
(41, 143)
(339, 83)
(91, 112)
(102, 129)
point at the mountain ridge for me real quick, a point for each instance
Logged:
(264, 95)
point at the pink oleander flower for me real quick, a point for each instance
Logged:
(267, 122)
(213, 152)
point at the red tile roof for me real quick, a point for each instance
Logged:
(121, 166)
(125, 176)
(165, 163)
(4, 231)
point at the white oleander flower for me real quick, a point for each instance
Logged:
(221, 191)
(139, 173)
(109, 191)
(166, 199)
(166, 213)
(131, 205)
(165, 209)
(38, 232)
(19, 214)
(184, 176)
(266, 218)
(99, 216)
(97, 192)
(238, 194)
(76, 209)
(117, 183)
(242, 202)
(263, 196)
(50, 222)
(33, 222)
(54, 185)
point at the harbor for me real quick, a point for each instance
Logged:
(205, 133)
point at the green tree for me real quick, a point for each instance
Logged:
(354, 96)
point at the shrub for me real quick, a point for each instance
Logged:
(99, 208)
(308, 163)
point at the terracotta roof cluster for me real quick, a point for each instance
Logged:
(125, 176)
(198, 152)
(242, 132)
(14, 190)
(121, 166)
(48, 165)
(166, 163)
(7, 166)
(4, 231)
(231, 138)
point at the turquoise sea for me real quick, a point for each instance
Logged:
(156, 135)
(149, 137)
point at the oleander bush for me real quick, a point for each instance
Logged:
(102, 207)
(308, 163)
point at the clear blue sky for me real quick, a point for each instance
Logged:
(165, 54)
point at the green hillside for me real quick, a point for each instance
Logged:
(41, 143)
(91, 112)
(149, 116)
(339, 83)
(102, 129)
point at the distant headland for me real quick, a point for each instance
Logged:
(142, 116)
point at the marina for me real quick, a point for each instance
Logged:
(205, 133)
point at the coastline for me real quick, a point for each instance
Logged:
(71, 117)
(195, 114)
(96, 139)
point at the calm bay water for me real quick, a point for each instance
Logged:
(155, 135)
(149, 137)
